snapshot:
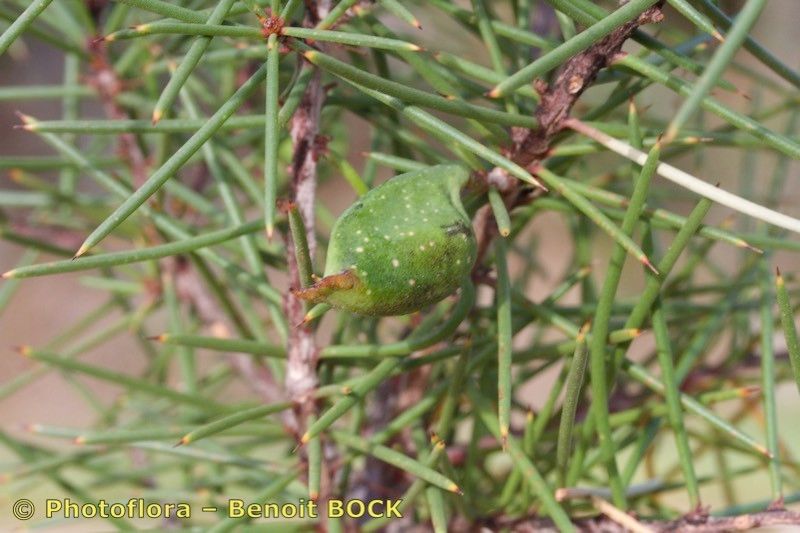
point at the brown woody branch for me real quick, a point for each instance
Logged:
(302, 352)
(557, 99)
(689, 524)
(301, 371)
(531, 146)
(108, 85)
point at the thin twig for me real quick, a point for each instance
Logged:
(302, 352)
(688, 181)
(694, 523)
(531, 146)
(108, 85)
(573, 79)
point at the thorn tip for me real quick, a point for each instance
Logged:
(82, 250)
(646, 262)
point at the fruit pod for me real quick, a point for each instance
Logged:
(401, 247)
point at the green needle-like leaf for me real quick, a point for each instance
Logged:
(501, 216)
(271, 135)
(564, 51)
(574, 384)
(397, 459)
(352, 39)
(134, 256)
(233, 420)
(401, 12)
(600, 325)
(753, 46)
(789, 328)
(223, 345)
(504, 338)
(22, 22)
(174, 163)
(229, 409)
(672, 394)
(415, 96)
(724, 54)
(769, 400)
(188, 63)
(130, 383)
(532, 475)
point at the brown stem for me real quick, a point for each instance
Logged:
(108, 86)
(532, 146)
(322, 288)
(558, 98)
(302, 352)
(190, 288)
(692, 523)
(301, 371)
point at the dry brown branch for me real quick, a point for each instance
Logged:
(190, 289)
(302, 352)
(577, 75)
(108, 86)
(301, 378)
(531, 146)
(693, 523)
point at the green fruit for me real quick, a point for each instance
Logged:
(404, 245)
